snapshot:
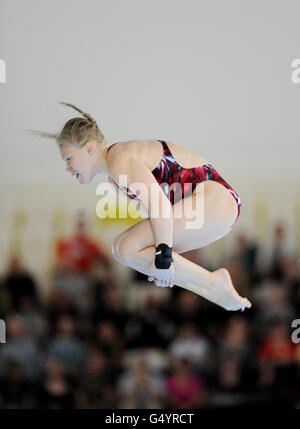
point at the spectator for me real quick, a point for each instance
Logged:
(79, 252)
(185, 389)
(245, 252)
(227, 382)
(108, 339)
(190, 346)
(149, 326)
(273, 303)
(278, 252)
(19, 283)
(235, 340)
(276, 347)
(186, 308)
(96, 388)
(65, 347)
(56, 389)
(139, 387)
(34, 319)
(14, 389)
(110, 305)
(21, 349)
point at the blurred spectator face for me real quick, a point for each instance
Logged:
(277, 296)
(59, 301)
(65, 325)
(15, 327)
(150, 302)
(106, 331)
(187, 301)
(112, 296)
(55, 369)
(96, 362)
(278, 332)
(140, 369)
(229, 371)
(182, 366)
(188, 330)
(15, 266)
(13, 371)
(236, 329)
(290, 267)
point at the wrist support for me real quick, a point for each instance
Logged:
(163, 256)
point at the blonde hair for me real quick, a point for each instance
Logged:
(77, 131)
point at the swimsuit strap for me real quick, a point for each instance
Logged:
(167, 154)
(107, 149)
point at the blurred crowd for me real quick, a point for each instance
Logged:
(87, 343)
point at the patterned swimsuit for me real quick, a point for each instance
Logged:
(168, 173)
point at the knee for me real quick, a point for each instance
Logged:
(120, 250)
(115, 249)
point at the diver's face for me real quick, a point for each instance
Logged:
(79, 162)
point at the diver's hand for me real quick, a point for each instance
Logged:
(162, 277)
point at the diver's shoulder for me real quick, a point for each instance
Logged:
(123, 150)
(128, 148)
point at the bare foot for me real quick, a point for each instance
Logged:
(225, 289)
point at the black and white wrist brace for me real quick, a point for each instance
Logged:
(163, 256)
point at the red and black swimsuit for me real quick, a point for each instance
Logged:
(168, 173)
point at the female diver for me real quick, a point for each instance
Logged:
(153, 245)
